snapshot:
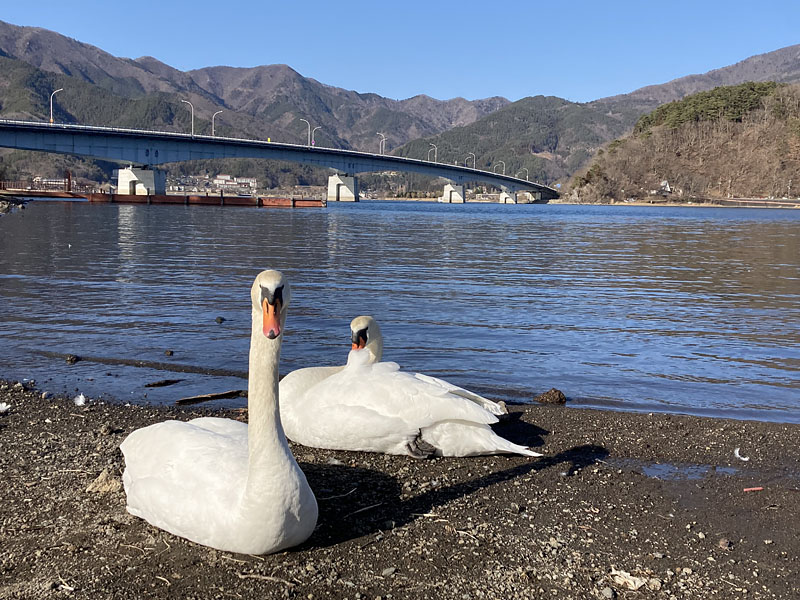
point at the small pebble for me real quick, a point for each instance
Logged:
(654, 583)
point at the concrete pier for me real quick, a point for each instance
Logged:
(506, 198)
(453, 194)
(141, 182)
(342, 188)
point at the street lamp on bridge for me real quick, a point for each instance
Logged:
(382, 144)
(434, 151)
(526, 172)
(309, 131)
(474, 163)
(313, 131)
(212, 121)
(51, 102)
(500, 162)
(192, 107)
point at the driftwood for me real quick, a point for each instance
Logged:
(162, 383)
(207, 397)
(159, 366)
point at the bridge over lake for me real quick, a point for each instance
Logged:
(144, 150)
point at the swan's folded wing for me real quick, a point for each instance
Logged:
(389, 392)
(491, 406)
(170, 463)
(340, 427)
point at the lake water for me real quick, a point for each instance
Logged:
(686, 310)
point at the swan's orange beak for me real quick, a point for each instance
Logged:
(359, 339)
(272, 322)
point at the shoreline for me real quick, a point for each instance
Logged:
(9, 202)
(621, 501)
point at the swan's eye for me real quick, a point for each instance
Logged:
(359, 338)
(270, 296)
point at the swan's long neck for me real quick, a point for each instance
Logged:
(375, 343)
(266, 441)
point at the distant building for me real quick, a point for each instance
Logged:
(250, 182)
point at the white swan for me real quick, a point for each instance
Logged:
(365, 333)
(220, 482)
(373, 406)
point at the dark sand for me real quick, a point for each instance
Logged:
(585, 521)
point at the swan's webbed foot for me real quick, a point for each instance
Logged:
(419, 448)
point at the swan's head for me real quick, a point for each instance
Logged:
(365, 334)
(270, 296)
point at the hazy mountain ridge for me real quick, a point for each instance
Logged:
(275, 93)
(782, 65)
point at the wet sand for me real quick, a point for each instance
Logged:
(588, 520)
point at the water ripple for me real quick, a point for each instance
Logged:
(682, 310)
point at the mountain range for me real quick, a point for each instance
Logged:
(553, 138)
(550, 137)
(275, 95)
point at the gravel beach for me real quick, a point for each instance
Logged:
(623, 505)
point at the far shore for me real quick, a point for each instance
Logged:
(9, 201)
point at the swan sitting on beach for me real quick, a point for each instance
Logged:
(374, 406)
(219, 482)
(365, 333)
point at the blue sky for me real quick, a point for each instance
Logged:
(577, 50)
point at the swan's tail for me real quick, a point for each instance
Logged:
(506, 447)
(461, 438)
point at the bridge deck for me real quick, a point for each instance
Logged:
(151, 148)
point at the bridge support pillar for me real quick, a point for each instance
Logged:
(342, 188)
(453, 194)
(141, 182)
(525, 198)
(506, 198)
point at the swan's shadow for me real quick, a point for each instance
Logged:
(354, 502)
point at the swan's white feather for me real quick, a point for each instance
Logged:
(299, 381)
(170, 465)
(491, 406)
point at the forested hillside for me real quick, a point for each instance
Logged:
(731, 142)
(549, 136)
